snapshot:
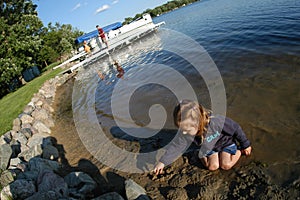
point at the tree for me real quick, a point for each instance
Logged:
(170, 5)
(20, 41)
(65, 46)
(24, 42)
(58, 41)
(12, 10)
(127, 20)
(137, 16)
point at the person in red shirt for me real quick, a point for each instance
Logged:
(101, 34)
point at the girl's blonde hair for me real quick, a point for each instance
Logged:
(188, 109)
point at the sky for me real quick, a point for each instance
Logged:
(86, 14)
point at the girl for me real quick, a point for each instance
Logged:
(217, 136)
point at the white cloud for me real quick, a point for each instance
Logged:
(115, 2)
(76, 7)
(102, 8)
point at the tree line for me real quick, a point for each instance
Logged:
(167, 7)
(25, 42)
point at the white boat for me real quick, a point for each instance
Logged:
(117, 38)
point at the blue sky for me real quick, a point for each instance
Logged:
(86, 14)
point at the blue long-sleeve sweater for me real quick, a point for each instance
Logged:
(221, 132)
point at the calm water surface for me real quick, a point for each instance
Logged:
(256, 47)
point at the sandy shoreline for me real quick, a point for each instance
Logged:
(184, 179)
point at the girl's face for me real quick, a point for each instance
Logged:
(189, 127)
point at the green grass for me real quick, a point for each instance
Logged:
(13, 104)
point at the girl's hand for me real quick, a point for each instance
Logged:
(159, 168)
(247, 151)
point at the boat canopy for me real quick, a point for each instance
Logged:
(94, 33)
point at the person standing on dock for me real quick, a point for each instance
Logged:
(101, 34)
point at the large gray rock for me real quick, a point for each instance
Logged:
(26, 126)
(19, 189)
(5, 154)
(35, 151)
(38, 139)
(24, 148)
(39, 103)
(6, 178)
(49, 181)
(14, 162)
(26, 119)
(48, 107)
(28, 109)
(31, 103)
(80, 183)
(16, 124)
(50, 152)
(43, 115)
(20, 137)
(134, 191)
(48, 141)
(48, 91)
(6, 138)
(26, 132)
(40, 114)
(38, 164)
(41, 127)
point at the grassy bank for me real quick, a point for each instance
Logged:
(13, 104)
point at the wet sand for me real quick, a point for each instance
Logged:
(251, 178)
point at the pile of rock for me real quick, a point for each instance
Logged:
(29, 158)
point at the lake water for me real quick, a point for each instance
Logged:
(255, 46)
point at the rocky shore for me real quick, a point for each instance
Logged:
(43, 158)
(31, 161)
